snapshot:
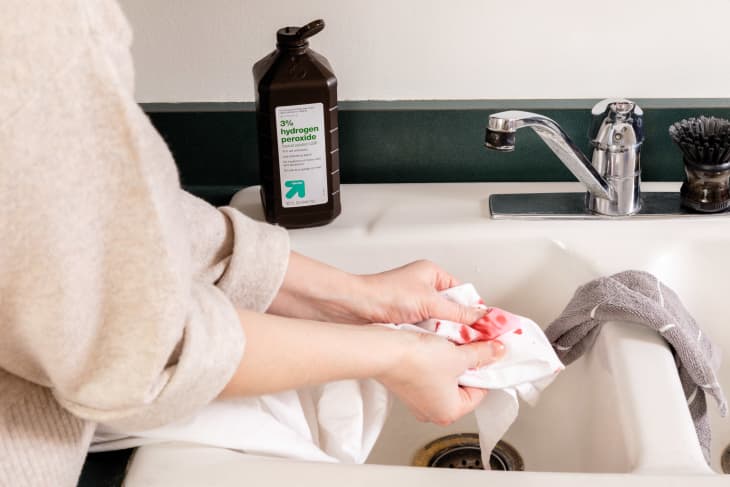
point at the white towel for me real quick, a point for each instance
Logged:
(340, 421)
(528, 366)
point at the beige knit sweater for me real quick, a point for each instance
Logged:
(117, 289)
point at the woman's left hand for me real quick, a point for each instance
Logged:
(407, 294)
(410, 294)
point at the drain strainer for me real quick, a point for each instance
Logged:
(462, 451)
(725, 460)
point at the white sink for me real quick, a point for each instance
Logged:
(706, 296)
(618, 410)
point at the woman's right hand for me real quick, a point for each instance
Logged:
(421, 369)
(425, 378)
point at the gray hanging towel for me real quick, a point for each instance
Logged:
(639, 297)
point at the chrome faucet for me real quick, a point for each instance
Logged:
(613, 176)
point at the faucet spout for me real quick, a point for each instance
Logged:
(500, 136)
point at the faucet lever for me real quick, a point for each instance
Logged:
(616, 110)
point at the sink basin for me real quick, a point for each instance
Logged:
(592, 419)
(618, 412)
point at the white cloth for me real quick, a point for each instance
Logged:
(529, 365)
(335, 422)
(340, 421)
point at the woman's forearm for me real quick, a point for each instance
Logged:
(317, 291)
(421, 369)
(408, 294)
(284, 353)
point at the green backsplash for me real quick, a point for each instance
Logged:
(411, 141)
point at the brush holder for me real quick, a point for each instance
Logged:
(706, 188)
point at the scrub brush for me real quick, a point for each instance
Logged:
(705, 143)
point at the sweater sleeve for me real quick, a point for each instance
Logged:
(104, 297)
(246, 259)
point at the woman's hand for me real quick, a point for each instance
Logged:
(408, 294)
(422, 370)
(426, 377)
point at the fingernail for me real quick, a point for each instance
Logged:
(497, 348)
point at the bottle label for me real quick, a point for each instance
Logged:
(302, 154)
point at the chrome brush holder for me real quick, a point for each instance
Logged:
(706, 188)
(705, 144)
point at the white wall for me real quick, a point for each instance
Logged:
(203, 50)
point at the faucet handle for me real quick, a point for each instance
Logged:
(611, 112)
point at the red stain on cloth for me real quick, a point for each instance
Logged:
(465, 335)
(495, 323)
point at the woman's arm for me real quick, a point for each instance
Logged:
(408, 294)
(284, 353)
(99, 301)
(248, 261)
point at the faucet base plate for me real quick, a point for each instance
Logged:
(542, 206)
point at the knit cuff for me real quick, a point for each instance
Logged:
(209, 354)
(258, 262)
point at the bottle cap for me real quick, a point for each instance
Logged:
(297, 36)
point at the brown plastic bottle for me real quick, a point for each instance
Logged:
(296, 114)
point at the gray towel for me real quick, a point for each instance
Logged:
(639, 297)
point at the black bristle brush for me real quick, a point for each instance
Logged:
(704, 140)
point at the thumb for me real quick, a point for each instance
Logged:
(441, 308)
(470, 397)
(479, 354)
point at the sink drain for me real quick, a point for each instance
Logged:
(725, 460)
(462, 451)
